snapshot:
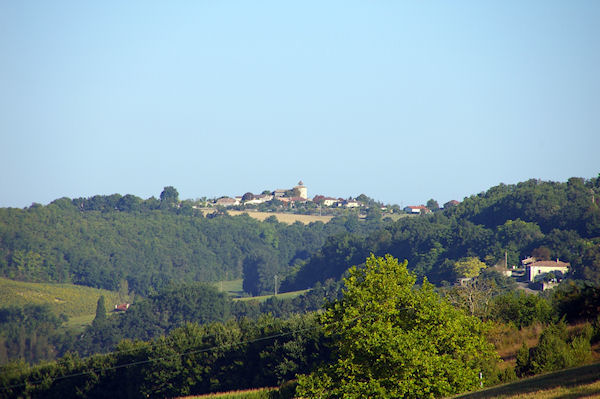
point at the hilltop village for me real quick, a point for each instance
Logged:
(296, 199)
(534, 273)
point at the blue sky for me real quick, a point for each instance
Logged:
(402, 101)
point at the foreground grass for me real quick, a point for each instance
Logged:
(576, 382)
(69, 299)
(259, 393)
(583, 391)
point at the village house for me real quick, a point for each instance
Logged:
(301, 189)
(351, 204)
(537, 268)
(293, 200)
(416, 209)
(280, 192)
(330, 201)
(227, 201)
(121, 307)
(259, 199)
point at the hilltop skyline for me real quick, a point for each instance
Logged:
(400, 101)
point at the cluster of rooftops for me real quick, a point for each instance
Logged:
(299, 194)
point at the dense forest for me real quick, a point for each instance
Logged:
(165, 251)
(248, 352)
(104, 241)
(561, 219)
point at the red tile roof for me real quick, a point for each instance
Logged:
(417, 207)
(550, 263)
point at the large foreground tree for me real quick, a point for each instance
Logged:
(394, 340)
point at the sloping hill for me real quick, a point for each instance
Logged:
(578, 382)
(68, 299)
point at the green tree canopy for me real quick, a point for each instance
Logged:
(169, 196)
(468, 267)
(432, 205)
(391, 339)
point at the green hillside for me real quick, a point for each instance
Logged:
(68, 299)
(571, 383)
(98, 243)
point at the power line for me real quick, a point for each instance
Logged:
(192, 352)
(175, 355)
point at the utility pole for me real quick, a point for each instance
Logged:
(506, 259)
(275, 284)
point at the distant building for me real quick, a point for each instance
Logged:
(534, 269)
(529, 260)
(351, 204)
(302, 190)
(330, 201)
(227, 201)
(416, 209)
(280, 192)
(259, 199)
(121, 307)
(451, 203)
(293, 200)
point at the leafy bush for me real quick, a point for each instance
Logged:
(555, 351)
(521, 309)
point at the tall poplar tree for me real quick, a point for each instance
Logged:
(100, 310)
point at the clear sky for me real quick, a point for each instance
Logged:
(400, 100)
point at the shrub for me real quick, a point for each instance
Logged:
(555, 350)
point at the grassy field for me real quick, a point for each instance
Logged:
(288, 218)
(75, 301)
(263, 298)
(577, 382)
(234, 288)
(282, 217)
(291, 218)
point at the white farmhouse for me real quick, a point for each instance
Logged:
(538, 268)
